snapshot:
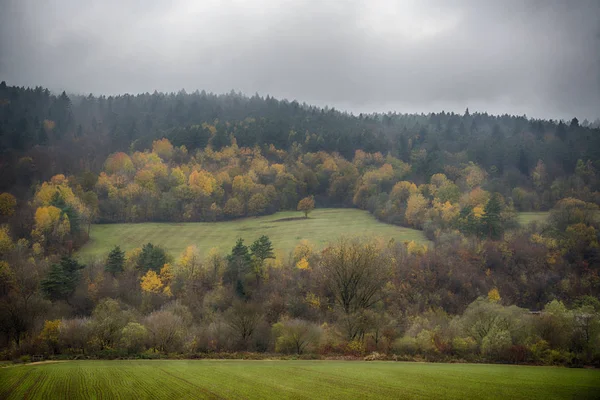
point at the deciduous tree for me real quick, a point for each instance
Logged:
(306, 205)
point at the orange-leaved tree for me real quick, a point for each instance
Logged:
(306, 205)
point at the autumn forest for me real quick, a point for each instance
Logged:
(485, 285)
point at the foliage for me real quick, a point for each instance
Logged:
(116, 261)
(295, 336)
(62, 279)
(306, 205)
(151, 258)
(8, 202)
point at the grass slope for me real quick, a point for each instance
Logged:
(293, 379)
(525, 218)
(285, 229)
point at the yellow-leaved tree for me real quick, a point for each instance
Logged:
(190, 261)
(163, 148)
(6, 242)
(50, 225)
(158, 283)
(494, 295)
(151, 282)
(8, 202)
(304, 249)
(203, 182)
(416, 209)
(303, 264)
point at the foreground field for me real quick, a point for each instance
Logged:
(285, 229)
(293, 379)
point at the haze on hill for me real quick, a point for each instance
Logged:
(539, 58)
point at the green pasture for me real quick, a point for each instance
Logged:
(199, 379)
(285, 229)
(525, 218)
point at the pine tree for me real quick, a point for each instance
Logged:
(491, 220)
(115, 261)
(261, 250)
(62, 279)
(152, 257)
(238, 265)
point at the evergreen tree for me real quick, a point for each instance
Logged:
(238, 265)
(261, 250)
(62, 279)
(152, 258)
(491, 220)
(115, 261)
(523, 163)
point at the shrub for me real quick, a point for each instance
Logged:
(496, 344)
(405, 345)
(464, 345)
(26, 358)
(539, 351)
(425, 342)
(518, 353)
(356, 348)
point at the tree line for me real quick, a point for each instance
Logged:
(355, 298)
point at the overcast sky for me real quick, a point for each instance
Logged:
(538, 57)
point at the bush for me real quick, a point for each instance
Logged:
(539, 351)
(356, 348)
(405, 346)
(464, 345)
(26, 358)
(295, 336)
(496, 344)
(559, 357)
(518, 353)
(133, 337)
(425, 342)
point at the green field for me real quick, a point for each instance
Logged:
(181, 379)
(285, 229)
(525, 218)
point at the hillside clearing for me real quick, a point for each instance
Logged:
(525, 218)
(285, 229)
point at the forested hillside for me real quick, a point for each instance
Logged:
(69, 134)
(70, 161)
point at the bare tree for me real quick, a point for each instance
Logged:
(165, 330)
(295, 335)
(243, 319)
(355, 273)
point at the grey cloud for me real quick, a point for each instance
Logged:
(538, 57)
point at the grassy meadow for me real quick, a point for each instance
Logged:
(525, 218)
(285, 229)
(193, 379)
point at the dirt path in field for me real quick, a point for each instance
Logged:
(48, 362)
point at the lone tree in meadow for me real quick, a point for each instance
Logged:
(306, 205)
